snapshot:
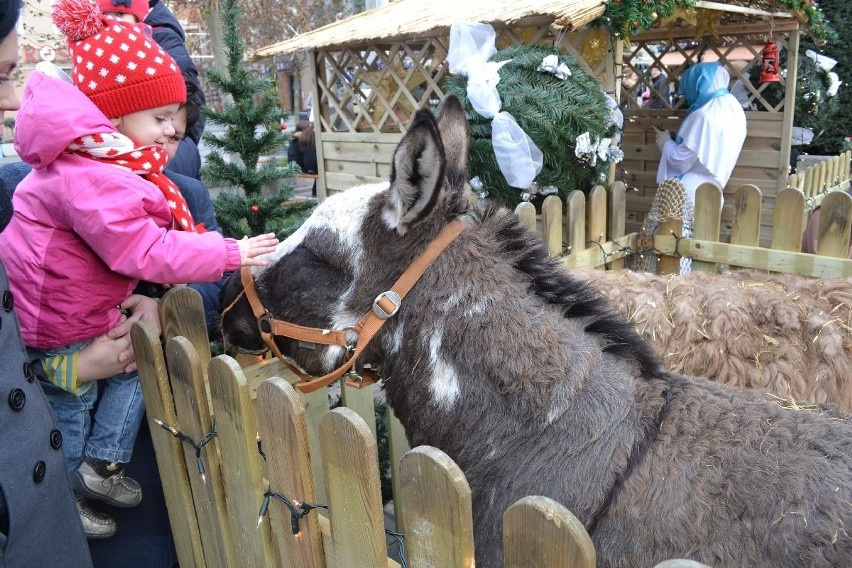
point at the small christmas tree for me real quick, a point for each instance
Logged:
(253, 121)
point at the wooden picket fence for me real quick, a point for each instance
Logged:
(589, 232)
(818, 180)
(276, 444)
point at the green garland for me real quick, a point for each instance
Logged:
(625, 18)
(551, 111)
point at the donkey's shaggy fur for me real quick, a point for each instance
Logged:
(788, 334)
(522, 375)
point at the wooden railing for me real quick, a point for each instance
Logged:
(589, 232)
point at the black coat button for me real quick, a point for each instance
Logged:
(17, 399)
(55, 439)
(39, 471)
(29, 372)
(8, 301)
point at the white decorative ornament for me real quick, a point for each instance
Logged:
(471, 46)
(550, 64)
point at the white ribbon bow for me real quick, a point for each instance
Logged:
(471, 46)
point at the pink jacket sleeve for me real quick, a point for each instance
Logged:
(124, 218)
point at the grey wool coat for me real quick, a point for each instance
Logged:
(40, 524)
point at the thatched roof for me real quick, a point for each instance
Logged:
(407, 18)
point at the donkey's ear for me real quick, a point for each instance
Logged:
(417, 174)
(455, 134)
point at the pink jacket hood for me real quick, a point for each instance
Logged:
(84, 232)
(53, 113)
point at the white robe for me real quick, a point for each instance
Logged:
(713, 137)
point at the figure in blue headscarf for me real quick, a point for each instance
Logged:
(709, 141)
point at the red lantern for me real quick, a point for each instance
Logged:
(769, 63)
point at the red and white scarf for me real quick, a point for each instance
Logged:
(148, 161)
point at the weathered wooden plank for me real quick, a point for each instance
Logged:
(359, 152)
(575, 221)
(284, 433)
(551, 224)
(159, 405)
(835, 225)
(182, 313)
(236, 422)
(746, 225)
(360, 401)
(708, 214)
(596, 203)
(758, 258)
(526, 215)
(538, 531)
(789, 220)
(360, 137)
(398, 443)
(617, 216)
(598, 256)
(194, 420)
(342, 182)
(352, 168)
(440, 531)
(354, 496)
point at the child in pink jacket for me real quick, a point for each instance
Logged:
(93, 218)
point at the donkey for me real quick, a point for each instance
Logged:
(526, 378)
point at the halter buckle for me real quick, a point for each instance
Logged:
(264, 323)
(381, 307)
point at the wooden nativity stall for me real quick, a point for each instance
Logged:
(373, 70)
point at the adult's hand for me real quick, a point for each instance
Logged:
(105, 357)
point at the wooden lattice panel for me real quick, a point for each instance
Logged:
(738, 53)
(377, 88)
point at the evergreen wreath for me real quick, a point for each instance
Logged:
(553, 112)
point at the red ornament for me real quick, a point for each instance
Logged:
(255, 208)
(769, 63)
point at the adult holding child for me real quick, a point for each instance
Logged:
(36, 503)
(93, 218)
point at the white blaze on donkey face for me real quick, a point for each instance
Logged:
(341, 214)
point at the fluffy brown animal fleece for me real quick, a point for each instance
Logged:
(789, 334)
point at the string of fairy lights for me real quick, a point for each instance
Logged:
(298, 509)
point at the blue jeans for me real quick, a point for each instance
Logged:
(101, 423)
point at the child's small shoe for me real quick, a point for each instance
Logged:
(104, 481)
(95, 523)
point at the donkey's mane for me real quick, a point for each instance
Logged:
(576, 298)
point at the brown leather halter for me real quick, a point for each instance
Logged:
(385, 305)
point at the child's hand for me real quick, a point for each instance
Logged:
(256, 246)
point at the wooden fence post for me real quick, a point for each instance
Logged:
(284, 435)
(551, 224)
(538, 531)
(746, 226)
(617, 217)
(835, 225)
(788, 223)
(440, 531)
(159, 405)
(575, 221)
(194, 420)
(236, 423)
(526, 216)
(351, 465)
(597, 214)
(708, 220)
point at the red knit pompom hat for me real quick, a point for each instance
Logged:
(117, 64)
(138, 8)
